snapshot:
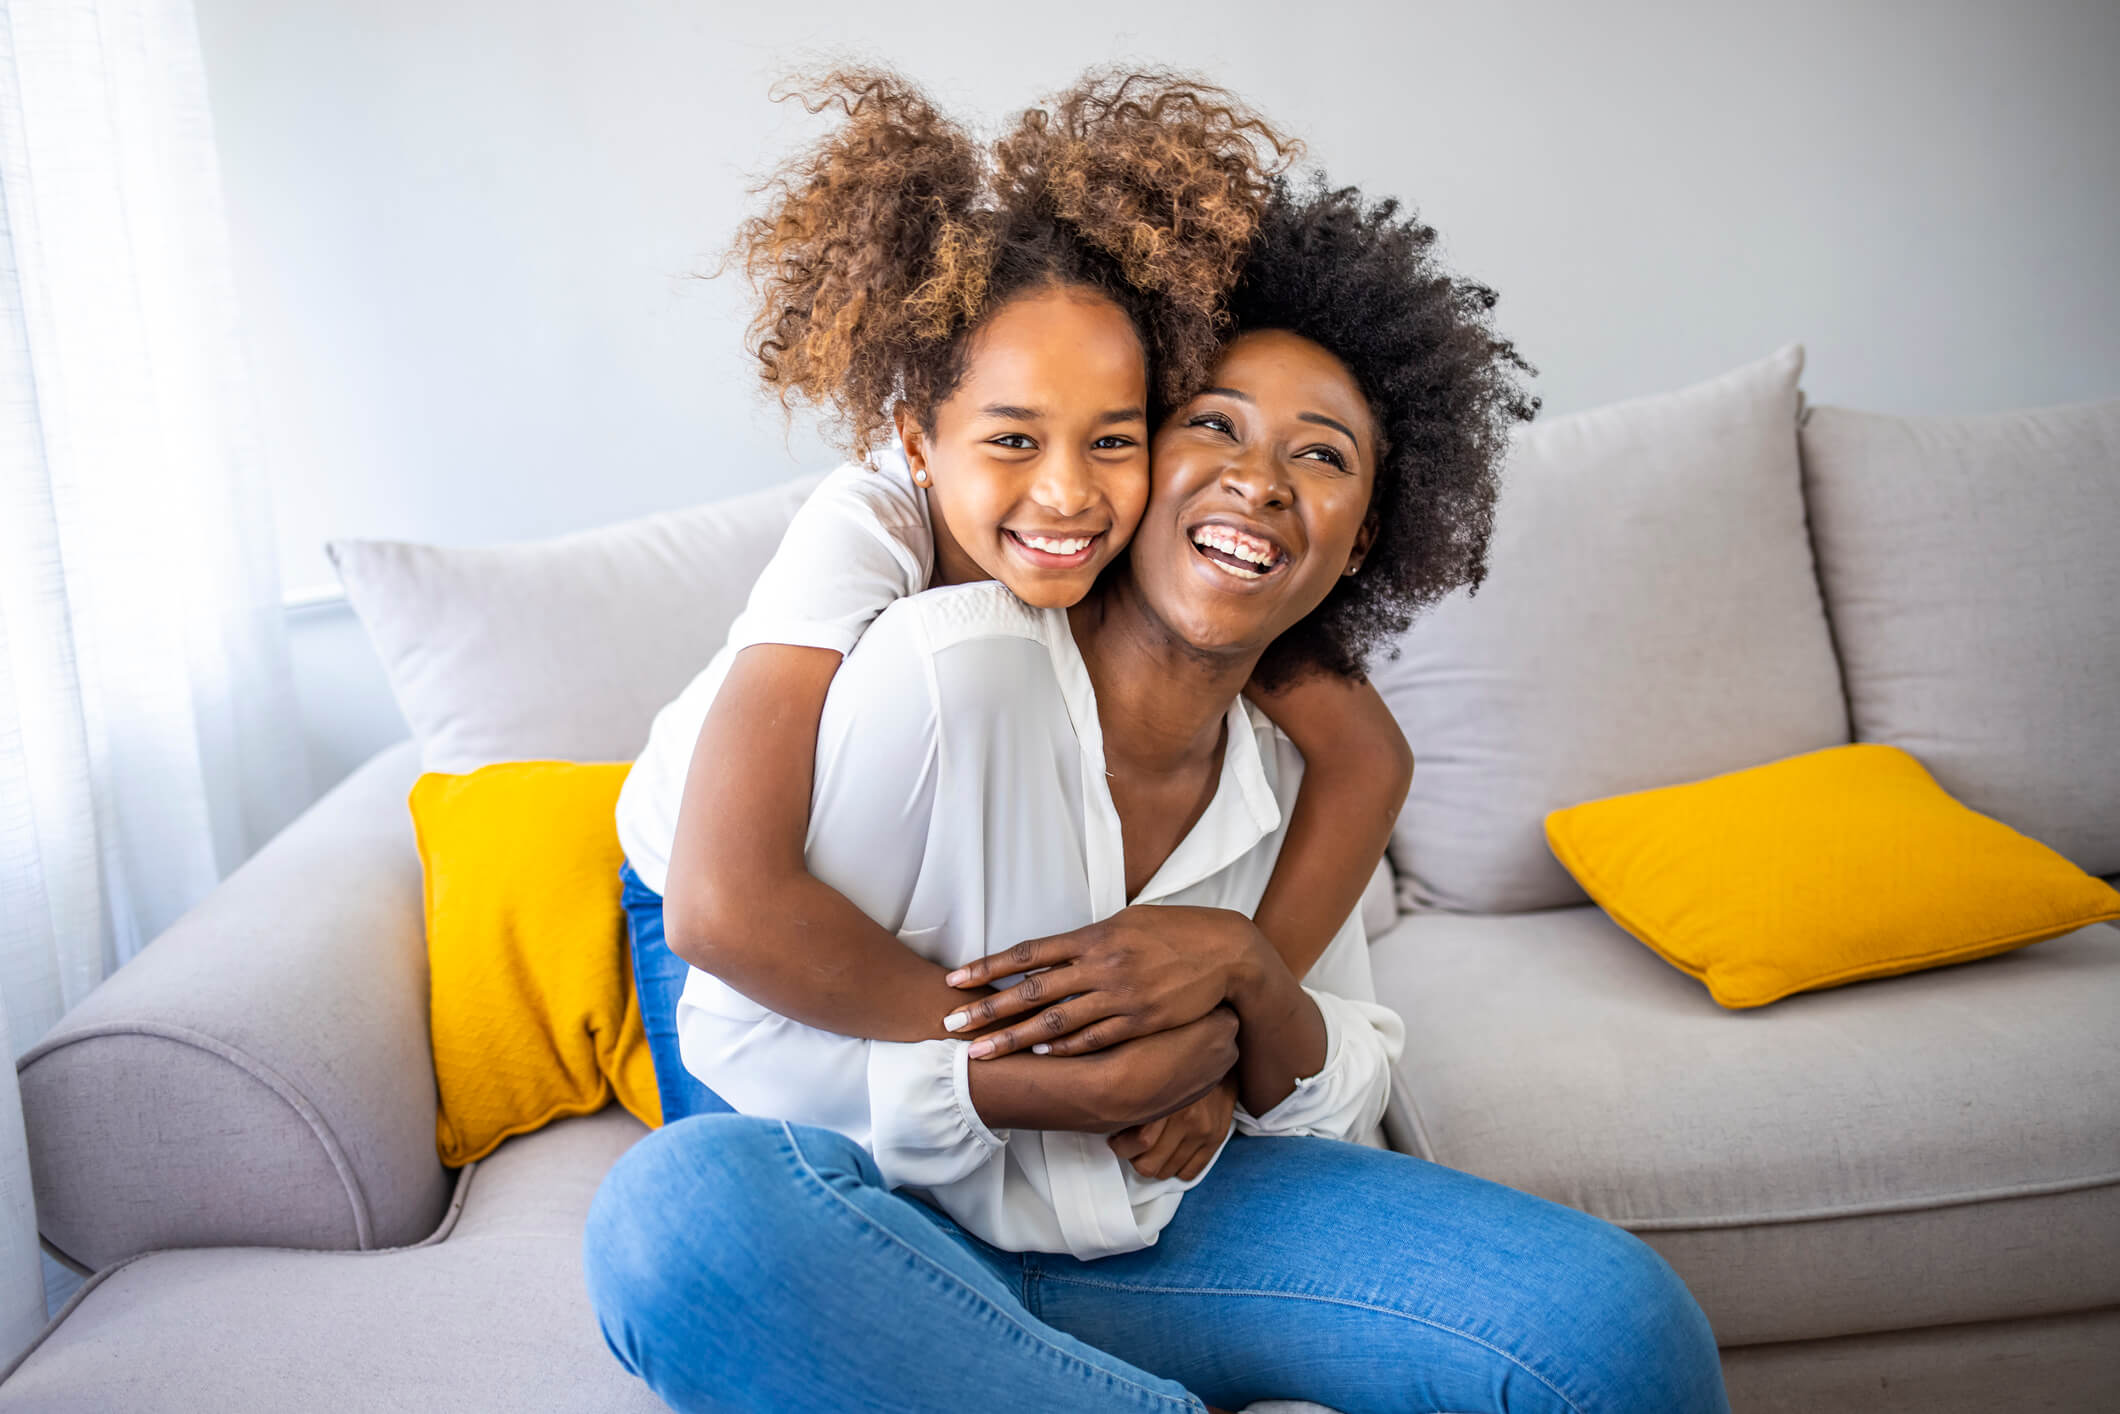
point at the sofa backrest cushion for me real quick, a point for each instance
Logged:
(563, 648)
(1650, 616)
(1971, 569)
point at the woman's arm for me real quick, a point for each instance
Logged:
(742, 903)
(1357, 769)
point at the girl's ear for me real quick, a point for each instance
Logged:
(1363, 539)
(913, 440)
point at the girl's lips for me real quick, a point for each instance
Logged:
(1049, 560)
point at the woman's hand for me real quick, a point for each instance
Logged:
(1182, 1142)
(1129, 1085)
(1145, 969)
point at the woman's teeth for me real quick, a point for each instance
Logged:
(1237, 545)
(1071, 545)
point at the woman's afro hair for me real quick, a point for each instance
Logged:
(1359, 280)
(883, 248)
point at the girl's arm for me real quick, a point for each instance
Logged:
(1357, 769)
(742, 903)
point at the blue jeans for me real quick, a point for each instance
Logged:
(737, 1262)
(659, 978)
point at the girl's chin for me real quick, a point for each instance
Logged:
(1055, 591)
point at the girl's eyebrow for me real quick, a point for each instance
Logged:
(1016, 414)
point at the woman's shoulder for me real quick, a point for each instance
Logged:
(961, 614)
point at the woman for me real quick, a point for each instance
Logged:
(742, 1261)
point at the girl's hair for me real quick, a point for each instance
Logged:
(883, 248)
(1360, 281)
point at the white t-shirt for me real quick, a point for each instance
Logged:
(861, 540)
(960, 800)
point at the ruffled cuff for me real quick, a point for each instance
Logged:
(923, 1129)
(1348, 1094)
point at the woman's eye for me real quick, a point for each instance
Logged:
(1215, 420)
(1016, 441)
(1327, 454)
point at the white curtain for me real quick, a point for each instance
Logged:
(148, 732)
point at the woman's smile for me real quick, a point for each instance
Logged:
(1239, 550)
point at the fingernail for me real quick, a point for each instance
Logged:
(957, 978)
(1041, 1048)
(956, 1021)
(982, 1049)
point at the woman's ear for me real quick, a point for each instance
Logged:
(1363, 539)
(914, 440)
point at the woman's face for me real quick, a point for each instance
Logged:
(1037, 464)
(1261, 495)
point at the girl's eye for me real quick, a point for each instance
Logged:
(1113, 442)
(1015, 441)
(1215, 420)
(1330, 454)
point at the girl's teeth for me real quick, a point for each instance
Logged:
(1070, 546)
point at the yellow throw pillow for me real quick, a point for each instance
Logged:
(1816, 870)
(531, 998)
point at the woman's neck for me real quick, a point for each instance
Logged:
(1160, 700)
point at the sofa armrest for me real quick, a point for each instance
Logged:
(260, 1075)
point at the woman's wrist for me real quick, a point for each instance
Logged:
(1257, 973)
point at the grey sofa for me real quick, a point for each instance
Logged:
(1896, 1195)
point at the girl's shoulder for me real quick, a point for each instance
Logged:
(881, 498)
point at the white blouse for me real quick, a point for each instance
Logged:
(960, 800)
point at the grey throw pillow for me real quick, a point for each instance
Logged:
(1650, 616)
(1971, 568)
(563, 648)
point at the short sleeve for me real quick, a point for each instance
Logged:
(862, 540)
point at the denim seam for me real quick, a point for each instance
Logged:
(1330, 1301)
(981, 1297)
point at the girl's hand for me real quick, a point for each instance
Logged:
(1183, 1141)
(1143, 970)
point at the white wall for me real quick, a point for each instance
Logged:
(465, 230)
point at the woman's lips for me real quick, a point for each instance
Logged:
(1055, 552)
(1245, 558)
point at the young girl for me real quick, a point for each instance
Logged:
(1024, 319)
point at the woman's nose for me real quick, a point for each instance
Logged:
(1256, 475)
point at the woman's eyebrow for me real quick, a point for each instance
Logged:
(1237, 393)
(1323, 420)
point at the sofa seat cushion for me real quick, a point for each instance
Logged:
(488, 1313)
(1917, 1150)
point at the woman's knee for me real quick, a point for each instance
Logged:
(1640, 1339)
(672, 1213)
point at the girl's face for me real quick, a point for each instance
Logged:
(1037, 465)
(1262, 495)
